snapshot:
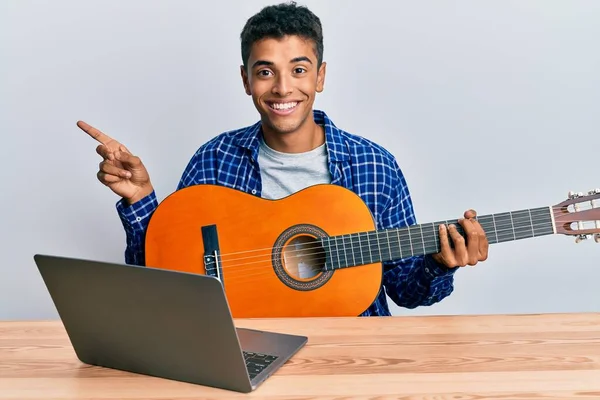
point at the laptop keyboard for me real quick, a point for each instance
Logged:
(256, 362)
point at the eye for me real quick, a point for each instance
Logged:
(264, 72)
(299, 70)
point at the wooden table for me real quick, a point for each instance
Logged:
(533, 357)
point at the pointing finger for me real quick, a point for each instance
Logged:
(95, 133)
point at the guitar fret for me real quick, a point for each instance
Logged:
(382, 249)
(328, 261)
(435, 245)
(368, 248)
(418, 233)
(360, 250)
(371, 259)
(345, 251)
(357, 250)
(405, 246)
(523, 228)
(531, 222)
(379, 246)
(399, 244)
(338, 254)
(395, 244)
(352, 250)
(504, 227)
(413, 240)
(387, 235)
(512, 222)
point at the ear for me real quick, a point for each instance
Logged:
(321, 77)
(245, 80)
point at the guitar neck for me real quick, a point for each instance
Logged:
(391, 244)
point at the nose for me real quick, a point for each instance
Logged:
(283, 85)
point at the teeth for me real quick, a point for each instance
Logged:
(284, 106)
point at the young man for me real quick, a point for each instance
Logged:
(292, 147)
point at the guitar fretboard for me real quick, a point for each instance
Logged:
(391, 244)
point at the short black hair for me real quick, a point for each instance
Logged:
(277, 21)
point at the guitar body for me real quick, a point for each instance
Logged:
(270, 258)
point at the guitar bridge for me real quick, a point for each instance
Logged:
(212, 257)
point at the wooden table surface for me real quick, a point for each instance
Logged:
(532, 357)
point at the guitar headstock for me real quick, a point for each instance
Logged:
(579, 215)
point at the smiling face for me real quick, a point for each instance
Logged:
(283, 79)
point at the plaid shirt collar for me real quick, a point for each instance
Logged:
(337, 150)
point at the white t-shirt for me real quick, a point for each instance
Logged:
(283, 174)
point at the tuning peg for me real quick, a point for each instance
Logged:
(574, 195)
(581, 238)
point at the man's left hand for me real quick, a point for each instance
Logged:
(468, 250)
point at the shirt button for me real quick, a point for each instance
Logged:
(253, 191)
(138, 219)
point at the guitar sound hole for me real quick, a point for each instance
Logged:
(303, 258)
(299, 259)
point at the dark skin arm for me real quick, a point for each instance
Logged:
(119, 170)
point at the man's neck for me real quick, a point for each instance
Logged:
(308, 137)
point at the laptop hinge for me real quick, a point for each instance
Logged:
(212, 256)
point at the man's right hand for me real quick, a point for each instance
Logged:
(120, 170)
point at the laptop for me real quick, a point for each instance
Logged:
(163, 323)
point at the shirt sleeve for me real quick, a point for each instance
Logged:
(135, 218)
(414, 281)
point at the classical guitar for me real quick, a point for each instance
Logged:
(316, 252)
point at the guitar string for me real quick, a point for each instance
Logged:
(322, 254)
(379, 241)
(381, 235)
(402, 231)
(379, 244)
(250, 274)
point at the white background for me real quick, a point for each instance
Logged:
(492, 105)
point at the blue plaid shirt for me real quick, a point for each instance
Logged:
(230, 159)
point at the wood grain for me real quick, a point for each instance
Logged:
(533, 357)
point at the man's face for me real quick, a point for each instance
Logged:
(283, 80)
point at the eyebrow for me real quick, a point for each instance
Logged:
(270, 63)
